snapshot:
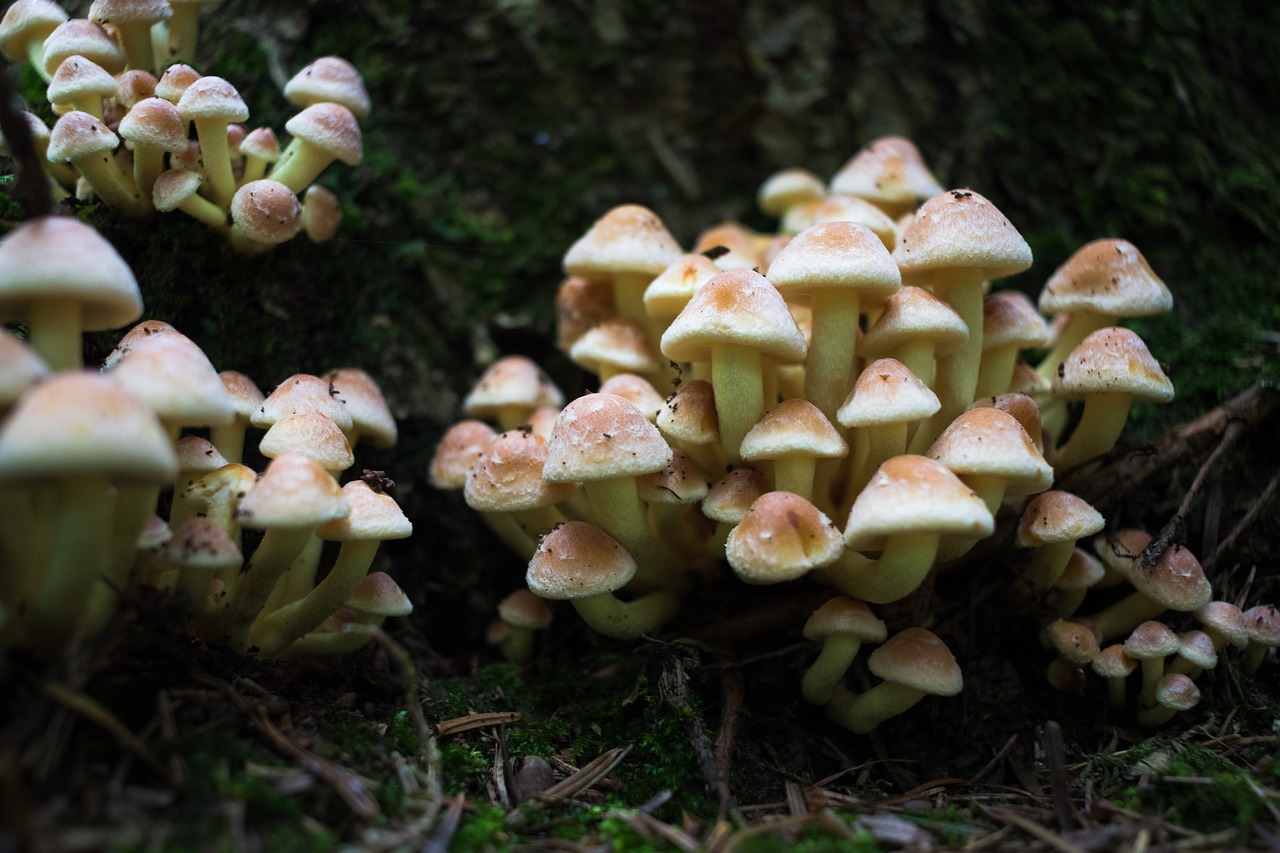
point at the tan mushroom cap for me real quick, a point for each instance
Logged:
(1120, 550)
(1264, 624)
(1176, 580)
(786, 188)
(1024, 411)
(580, 304)
(303, 392)
(331, 128)
(1010, 320)
(155, 122)
(266, 211)
(460, 447)
(311, 434)
(1112, 662)
(990, 442)
(78, 422)
(378, 595)
(1196, 647)
(887, 170)
(507, 476)
(523, 609)
(1177, 692)
(60, 256)
(111, 12)
(175, 80)
(617, 344)
(681, 482)
(1057, 516)
(134, 86)
(245, 396)
(690, 414)
(738, 307)
(794, 427)
(173, 187)
(212, 98)
(838, 255)
(197, 456)
(887, 392)
(1072, 640)
(78, 134)
(27, 21)
(603, 436)
(175, 378)
(578, 560)
(671, 290)
(20, 368)
(1113, 360)
(1108, 277)
(913, 313)
(854, 210)
(1082, 571)
(914, 494)
(1151, 640)
(728, 245)
(960, 229)
(638, 390)
(80, 78)
(332, 79)
(293, 492)
(732, 495)
(82, 37)
(370, 414)
(261, 142)
(1226, 620)
(629, 238)
(512, 380)
(846, 615)
(200, 544)
(781, 538)
(373, 515)
(916, 658)
(321, 213)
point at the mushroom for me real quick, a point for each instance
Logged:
(1174, 692)
(1264, 635)
(842, 625)
(524, 614)
(509, 390)
(1052, 523)
(793, 436)
(786, 188)
(264, 213)
(886, 403)
(211, 103)
(505, 485)
(321, 133)
(132, 20)
(1149, 644)
(781, 538)
(153, 128)
(1010, 323)
(915, 328)
(913, 664)
(24, 28)
(178, 189)
(889, 172)
(80, 84)
(329, 79)
(1174, 581)
(85, 142)
(1115, 666)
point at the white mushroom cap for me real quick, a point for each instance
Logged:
(293, 492)
(373, 515)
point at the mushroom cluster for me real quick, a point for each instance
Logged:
(141, 130)
(846, 400)
(88, 457)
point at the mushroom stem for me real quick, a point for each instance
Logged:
(828, 373)
(823, 676)
(1100, 425)
(618, 510)
(274, 631)
(900, 569)
(957, 373)
(862, 712)
(53, 331)
(1047, 564)
(277, 550)
(111, 184)
(739, 394)
(1125, 615)
(216, 158)
(627, 620)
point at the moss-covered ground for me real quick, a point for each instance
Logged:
(499, 132)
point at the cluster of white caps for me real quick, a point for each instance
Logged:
(88, 455)
(855, 365)
(142, 131)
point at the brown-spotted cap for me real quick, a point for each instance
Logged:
(332, 79)
(916, 658)
(293, 492)
(781, 538)
(507, 476)
(603, 436)
(737, 307)
(627, 239)
(991, 442)
(374, 515)
(845, 615)
(887, 393)
(460, 447)
(794, 427)
(1108, 277)
(578, 560)
(914, 494)
(961, 229)
(1113, 360)
(1057, 516)
(888, 170)
(836, 255)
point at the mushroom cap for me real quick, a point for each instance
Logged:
(580, 304)
(845, 615)
(853, 210)
(782, 537)
(311, 434)
(20, 368)
(914, 494)
(603, 436)
(321, 213)
(245, 396)
(373, 515)
(1112, 662)
(267, 211)
(261, 142)
(116, 12)
(76, 423)
(889, 170)
(461, 445)
(173, 187)
(1151, 640)
(232, 479)
(78, 134)
(513, 380)
(28, 20)
(523, 609)
(197, 456)
(794, 427)
(201, 544)
(615, 344)
(1225, 619)
(887, 393)
(913, 313)
(378, 595)
(370, 414)
(991, 443)
(1072, 640)
(638, 390)
(732, 495)
(1196, 647)
(175, 80)
(1057, 516)
(837, 255)
(82, 37)
(1264, 624)
(671, 290)
(507, 476)
(681, 482)
(293, 492)
(155, 122)
(916, 658)
(788, 187)
(728, 245)
(1176, 580)
(329, 79)
(1120, 549)
(59, 257)
(78, 77)
(303, 392)
(39, 134)
(1010, 320)
(578, 560)
(627, 239)
(690, 415)
(1113, 360)
(1108, 277)
(331, 128)
(738, 307)
(134, 86)
(1082, 571)
(169, 372)
(212, 98)
(1024, 411)
(960, 229)
(1178, 692)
